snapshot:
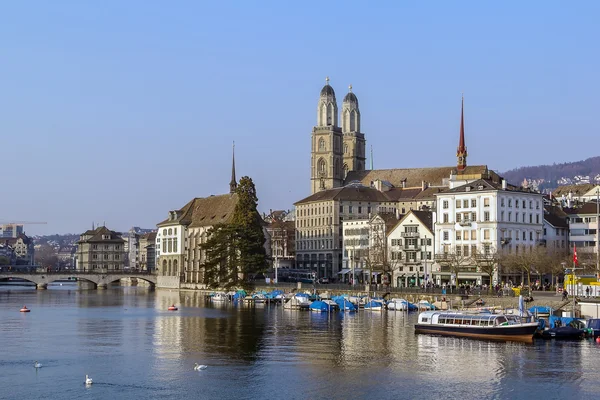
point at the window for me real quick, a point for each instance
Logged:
(523, 203)
(502, 202)
(466, 250)
(473, 235)
(446, 235)
(106, 256)
(369, 210)
(458, 235)
(502, 216)
(486, 234)
(509, 216)
(95, 256)
(321, 144)
(95, 246)
(531, 218)
(117, 247)
(117, 257)
(458, 251)
(458, 203)
(465, 203)
(486, 216)
(473, 249)
(517, 203)
(530, 235)
(359, 209)
(445, 204)
(164, 232)
(531, 204)
(175, 231)
(349, 209)
(473, 217)
(486, 202)
(175, 245)
(524, 237)
(170, 231)
(458, 217)
(341, 209)
(510, 202)
(425, 255)
(473, 203)
(445, 218)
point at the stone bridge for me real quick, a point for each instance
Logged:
(100, 280)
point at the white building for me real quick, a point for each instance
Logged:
(481, 218)
(556, 230)
(355, 249)
(583, 230)
(411, 250)
(571, 195)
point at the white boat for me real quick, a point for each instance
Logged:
(478, 326)
(297, 303)
(219, 296)
(397, 304)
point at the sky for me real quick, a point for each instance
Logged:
(116, 112)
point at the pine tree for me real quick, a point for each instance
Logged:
(236, 249)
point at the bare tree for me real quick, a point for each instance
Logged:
(526, 259)
(454, 260)
(46, 256)
(487, 262)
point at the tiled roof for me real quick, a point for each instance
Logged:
(204, 211)
(555, 217)
(97, 234)
(389, 219)
(426, 218)
(587, 208)
(413, 177)
(348, 193)
(578, 190)
(486, 185)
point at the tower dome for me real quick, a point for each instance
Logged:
(327, 111)
(350, 113)
(327, 91)
(350, 97)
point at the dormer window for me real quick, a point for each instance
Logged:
(105, 237)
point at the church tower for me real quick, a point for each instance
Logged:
(354, 141)
(326, 144)
(233, 181)
(461, 151)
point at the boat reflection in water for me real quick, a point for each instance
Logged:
(478, 326)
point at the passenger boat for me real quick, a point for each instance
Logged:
(478, 326)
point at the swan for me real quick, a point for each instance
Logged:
(88, 380)
(37, 365)
(198, 367)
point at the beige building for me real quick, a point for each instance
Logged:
(100, 249)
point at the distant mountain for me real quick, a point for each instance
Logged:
(547, 177)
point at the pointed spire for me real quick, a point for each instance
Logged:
(461, 151)
(372, 157)
(233, 182)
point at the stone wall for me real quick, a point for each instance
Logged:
(168, 282)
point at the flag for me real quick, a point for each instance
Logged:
(575, 260)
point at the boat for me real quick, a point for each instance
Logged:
(478, 326)
(24, 309)
(332, 304)
(172, 308)
(593, 326)
(563, 333)
(344, 304)
(425, 305)
(319, 306)
(400, 305)
(297, 303)
(219, 296)
(374, 305)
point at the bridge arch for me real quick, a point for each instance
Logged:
(114, 278)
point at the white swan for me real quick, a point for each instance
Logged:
(198, 367)
(37, 365)
(88, 380)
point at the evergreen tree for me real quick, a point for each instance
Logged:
(249, 226)
(236, 250)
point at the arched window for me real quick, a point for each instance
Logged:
(322, 167)
(164, 268)
(175, 245)
(170, 245)
(345, 148)
(169, 269)
(345, 170)
(321, 144)
(353, 121)
(175, 272)
(175, 231)
(330, 114)
(170, 231)
(164, 232)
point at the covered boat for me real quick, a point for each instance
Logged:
(374, 305)
(319, 306)
(478, 326)
(297, 303)
(344, 304)
(563, 333)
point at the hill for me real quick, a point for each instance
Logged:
(547, 177)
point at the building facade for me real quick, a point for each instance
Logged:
(99, 250)
(483, 218)
(280, 227)
(583, 230)
(411, 250)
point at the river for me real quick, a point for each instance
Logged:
(133, 348)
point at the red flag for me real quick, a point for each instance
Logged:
(575, 260)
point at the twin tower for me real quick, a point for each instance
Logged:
(335, 151)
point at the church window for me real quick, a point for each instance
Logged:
(321, 144)
(353, 121)
(170, 231)
(345, 148)
(345, 170)
(330, 114)
(322, 167)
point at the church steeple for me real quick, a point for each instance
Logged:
(461, 151)
(233, 183)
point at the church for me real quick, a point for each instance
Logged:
(343, 189)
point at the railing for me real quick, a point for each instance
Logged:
(465, 223)
(409, 234)
(44, 271)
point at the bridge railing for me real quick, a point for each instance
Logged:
(74, 272)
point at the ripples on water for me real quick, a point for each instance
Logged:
(133, 348)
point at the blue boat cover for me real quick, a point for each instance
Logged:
(319, 305)
(540, 310)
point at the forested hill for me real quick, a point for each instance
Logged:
(548, 177)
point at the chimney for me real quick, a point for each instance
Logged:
(423, 185)
(503, 184)
(403, 183)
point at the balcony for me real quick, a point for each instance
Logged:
(409, 234)
(442, 257)
(465, 223)
(411, 247)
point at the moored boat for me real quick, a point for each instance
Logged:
(478, 326)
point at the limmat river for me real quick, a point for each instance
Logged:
(133, 348)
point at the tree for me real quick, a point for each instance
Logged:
(454, 261)
(46, 256)
(526, 259)
(234, 251)
(487, 262)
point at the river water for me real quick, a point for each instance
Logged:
(133, 348)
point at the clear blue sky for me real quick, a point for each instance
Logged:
(119, 111)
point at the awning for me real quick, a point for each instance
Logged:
(376, 273)
(344, 271)
(358, 270)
